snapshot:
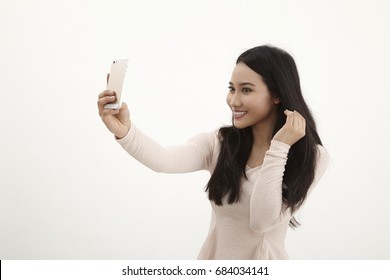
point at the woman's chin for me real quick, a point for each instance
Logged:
(239, 125)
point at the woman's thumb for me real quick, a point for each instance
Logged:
(123, 106)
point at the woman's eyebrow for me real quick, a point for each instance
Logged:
(243, 84)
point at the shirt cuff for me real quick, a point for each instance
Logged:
(278, 149)
(129, 136)
(280, 145)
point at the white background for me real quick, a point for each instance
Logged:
(68, 190)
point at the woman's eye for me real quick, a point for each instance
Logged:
(231, 89)
(246, 90)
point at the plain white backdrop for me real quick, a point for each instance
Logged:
(68, 190)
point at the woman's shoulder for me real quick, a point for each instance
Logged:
(209, 138)
(322, 162)
(322, 154)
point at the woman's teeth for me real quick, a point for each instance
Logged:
(239, 114)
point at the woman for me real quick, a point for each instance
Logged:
(262, 167)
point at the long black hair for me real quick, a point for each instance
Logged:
(279, 72)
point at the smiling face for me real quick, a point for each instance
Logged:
(249, 99)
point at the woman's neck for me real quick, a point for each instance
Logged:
(262, 132)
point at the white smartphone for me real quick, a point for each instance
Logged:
(116, 81)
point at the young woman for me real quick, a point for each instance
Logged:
(262, 167)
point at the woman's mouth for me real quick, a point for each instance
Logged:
(239, 114)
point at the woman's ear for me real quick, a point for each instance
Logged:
(276, 100)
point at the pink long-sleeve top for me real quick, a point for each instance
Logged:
(253, 228)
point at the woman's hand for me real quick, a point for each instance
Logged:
(117, 121)
(293, 130)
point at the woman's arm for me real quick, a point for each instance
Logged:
(192, 156)
(266, 205)
(267, 209)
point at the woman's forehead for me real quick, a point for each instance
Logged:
(243, 74)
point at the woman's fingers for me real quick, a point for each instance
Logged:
(300, 123)
(290, 117)
(105, 97)
(106, 93)
(295, 120)
(108, 112)
(293, 130)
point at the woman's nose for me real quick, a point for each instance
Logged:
(235, 100)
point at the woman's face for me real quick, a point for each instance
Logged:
(249, 99)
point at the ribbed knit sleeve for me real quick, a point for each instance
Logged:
(266, 204)
(192, 156)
